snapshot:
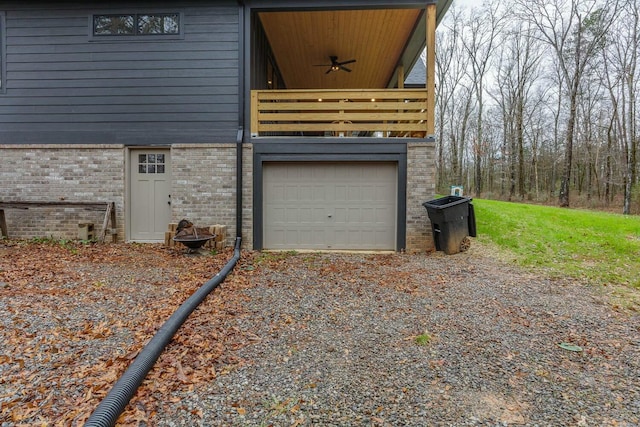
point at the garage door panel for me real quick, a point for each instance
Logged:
(367, 215)
(277, 212)
(292, 193)
(340, 192)
(276, 235)
(310, 238)
(354, 193)
(290, 215)
(358, 236)
(318, 193)
(277, 192)
(329, 205)
(379, 193)
(369, 192)
(383, 216)
(291, 238)
(286, 216)
(367, 236)
(310, 215)
(340, 215)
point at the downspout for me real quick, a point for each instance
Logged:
(241, 118)
(239, 183)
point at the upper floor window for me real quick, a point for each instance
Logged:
(136, 24)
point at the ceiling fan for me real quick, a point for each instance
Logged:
(335, 65)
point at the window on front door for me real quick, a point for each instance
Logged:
(151, 163)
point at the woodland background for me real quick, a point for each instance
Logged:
(537, 101)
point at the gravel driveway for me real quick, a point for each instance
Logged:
(357, 340)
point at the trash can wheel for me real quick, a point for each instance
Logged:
(465, 244)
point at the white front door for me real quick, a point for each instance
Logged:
(150, 197)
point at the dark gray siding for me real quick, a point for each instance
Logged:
(64, 86)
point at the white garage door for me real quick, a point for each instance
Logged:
(342, 205)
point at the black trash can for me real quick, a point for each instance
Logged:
(452, 220)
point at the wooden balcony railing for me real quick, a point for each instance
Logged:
(318, 112)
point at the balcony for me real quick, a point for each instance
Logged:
(381, 113)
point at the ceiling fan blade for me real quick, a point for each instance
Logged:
(335, 65)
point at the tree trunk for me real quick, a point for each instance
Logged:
(513, 168)
(503, 159)
(563, 197)
(454, 157)
(520, 140)
(633, 143)
(607, 171)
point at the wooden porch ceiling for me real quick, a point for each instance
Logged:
(374, 38)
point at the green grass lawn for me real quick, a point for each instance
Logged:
(600, 247)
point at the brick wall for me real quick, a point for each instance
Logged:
(421, 187)
(247, 196)
(73, 173)
(204, 185)
(203, 188)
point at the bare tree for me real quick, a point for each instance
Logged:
(523, 105)
(538, 125)
(503, 96)
(575, 30)
(620, 69)
(589, 131)
(459, 129)
(451, 64)
(519, 55)
(481, 32)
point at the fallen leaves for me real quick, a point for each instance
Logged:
(76, 316)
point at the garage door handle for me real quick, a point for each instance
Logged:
(329, 216)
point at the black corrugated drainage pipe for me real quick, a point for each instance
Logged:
(114, 403)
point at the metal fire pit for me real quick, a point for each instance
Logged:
(193, 242)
